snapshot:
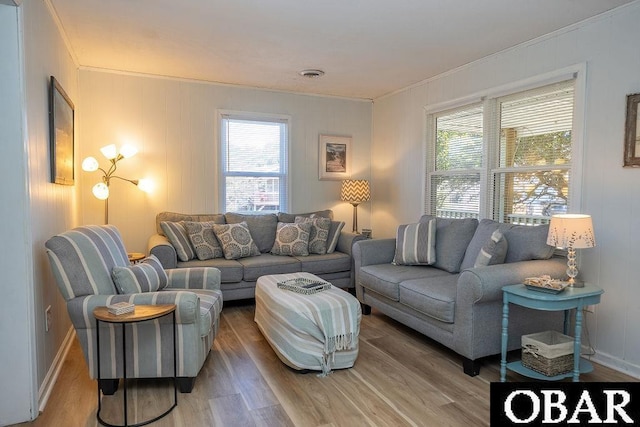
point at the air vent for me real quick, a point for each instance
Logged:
(312, 74)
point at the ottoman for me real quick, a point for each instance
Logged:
(308, 332)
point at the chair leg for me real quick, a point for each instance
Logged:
(471, 367)
(185, 384)
(109, 386)
(366, 309)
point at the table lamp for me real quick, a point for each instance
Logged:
(571, 232)
(355, 191)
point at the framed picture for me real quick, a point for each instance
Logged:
(334, 157)
(632, 133)
(61, 127)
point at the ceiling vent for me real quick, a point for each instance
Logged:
(311, 74)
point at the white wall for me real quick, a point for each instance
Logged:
(173, 123)
(32, 209)
(609, 46)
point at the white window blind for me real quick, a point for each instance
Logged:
(254, 163)
(508, 158)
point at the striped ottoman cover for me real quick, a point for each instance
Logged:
(308, 332)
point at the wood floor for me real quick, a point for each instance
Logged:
(401, 378)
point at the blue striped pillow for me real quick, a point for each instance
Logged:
(416, 244)
(146, 276)
(177, 235)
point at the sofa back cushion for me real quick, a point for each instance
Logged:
(524, 242)
(261, 226)
(452, 238)
(287, 217)
(177, 217)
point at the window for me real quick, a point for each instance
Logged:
(254, 162)
(506, 158)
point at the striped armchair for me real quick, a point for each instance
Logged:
(82, 261)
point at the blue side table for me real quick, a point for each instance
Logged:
(570, 298)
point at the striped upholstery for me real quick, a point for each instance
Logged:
(82, 259)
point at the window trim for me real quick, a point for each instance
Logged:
(285, 154)
(490, 153)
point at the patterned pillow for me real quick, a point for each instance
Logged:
(416, 244)
(236, 240)
(177, 235)
(146, 276)
(292, 239)
(334, 235)
(494, 251)
(318, 234)
(203, 239)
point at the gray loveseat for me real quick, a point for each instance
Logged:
(451, 301)
(238, 276)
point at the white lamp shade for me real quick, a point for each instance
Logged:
(101, 191)
(145, 185)
(128, 150)
(90, 164)
(109, 151)
(355, 191)
(573, 231)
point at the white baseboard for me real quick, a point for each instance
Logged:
(616, 364)
(52, 375)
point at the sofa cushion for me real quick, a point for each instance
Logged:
(416, 244)
(328, 263)
(334, 235)
(177, 235)
(494, 251)
(433, 296)
(482, 235)
(386, 278)
(292, 239)
(177, 217)
(453, 237)
(236, 240)
(287, 217)
(231, 271)
(528, 242)
(318, 234)
(264, 264)
(262, 227)
(146, 276)
(203, 239)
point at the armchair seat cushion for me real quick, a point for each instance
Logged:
(435, 297)
(210, 308)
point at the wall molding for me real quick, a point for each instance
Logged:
(54, 370)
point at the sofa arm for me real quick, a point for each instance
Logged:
(194, 278)
(187, 305)
(160, 246)
(374, 251)
(346, 240)
(484, 284)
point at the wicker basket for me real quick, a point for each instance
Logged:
(549, 353)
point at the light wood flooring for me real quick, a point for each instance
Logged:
(400, 378)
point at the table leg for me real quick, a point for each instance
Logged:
(124, 370)
(98, 359)
(505, 338)
(576, 344)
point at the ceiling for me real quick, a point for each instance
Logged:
(368, 48)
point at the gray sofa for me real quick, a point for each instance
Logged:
(451, 301)
(238, 276)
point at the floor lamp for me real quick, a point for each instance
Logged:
(355, 191)
(101, 189)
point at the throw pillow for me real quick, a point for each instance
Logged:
(236, 240)
(146, 276)
(177, 235)
(318, 234)
(203, 239)
(493, 252)
(416, 244)
(334, 235)
(292, 239)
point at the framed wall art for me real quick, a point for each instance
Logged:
(61, 134)
(334, 157)
(632, 133)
